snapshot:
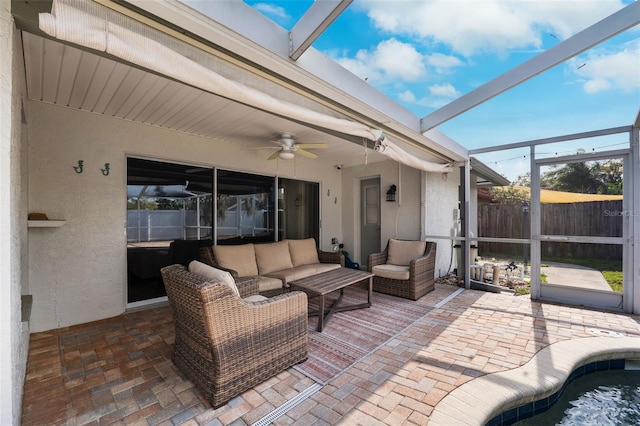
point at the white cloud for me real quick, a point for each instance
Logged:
(442, 63)
(608, 70)
(439, 95)
(597, 85)
(444, 91)
(397, 59)
(407, 96)
(390, 60)
(393, 60)
(272, 11)
(470, 27)
(360, 67)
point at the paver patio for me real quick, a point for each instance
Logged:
(118, 371)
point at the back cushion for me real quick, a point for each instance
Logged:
(241, 259)
(273, 257)
(403, 252)
(213, 274)
(303, 252)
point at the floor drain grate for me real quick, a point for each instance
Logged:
(269, 418)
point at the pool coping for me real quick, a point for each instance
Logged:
(480, 400)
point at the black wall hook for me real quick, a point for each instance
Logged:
(79, 167)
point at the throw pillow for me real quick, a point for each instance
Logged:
(303, 252)
(241, 259)
(403, 252)
(273, 257)
(213, 274)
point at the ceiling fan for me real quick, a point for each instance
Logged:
(289, 148)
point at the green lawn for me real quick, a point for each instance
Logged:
(611, 269)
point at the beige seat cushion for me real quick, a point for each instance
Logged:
(241, 259)
(403, 252)
(213, 274)
(303, 252)
(268, 283)
(394, 272)
(303, 271)
(272, 257)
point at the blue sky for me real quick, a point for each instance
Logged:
(424, 54)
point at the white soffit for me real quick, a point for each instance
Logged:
(257, 40)
(70, 77)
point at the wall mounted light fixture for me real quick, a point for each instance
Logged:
(391, 193)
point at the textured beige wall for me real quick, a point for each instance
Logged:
(398, 220)
(441, 197)
(78, 271)
(13, 246)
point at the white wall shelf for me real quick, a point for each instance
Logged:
(45, 223)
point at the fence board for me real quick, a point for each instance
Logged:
(594, 219)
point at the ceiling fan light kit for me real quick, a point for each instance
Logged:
(286, 155)
(289, 148)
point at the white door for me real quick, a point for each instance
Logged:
(563, 236)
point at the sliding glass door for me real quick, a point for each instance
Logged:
(165, 202)
(245, 208)
(298, 209)
(170, 215)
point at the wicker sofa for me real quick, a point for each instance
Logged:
(405, 268)
(273, 265)
(225, 344)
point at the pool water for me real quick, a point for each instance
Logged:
(602, 398)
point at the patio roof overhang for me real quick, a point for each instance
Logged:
(257, 52)
(101, 83)
(486, 176)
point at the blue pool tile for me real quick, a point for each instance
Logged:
(528, 410)
(616, 364)
(510, 417)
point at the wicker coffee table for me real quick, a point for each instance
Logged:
(327, 282)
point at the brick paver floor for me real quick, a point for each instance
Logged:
(118, 371)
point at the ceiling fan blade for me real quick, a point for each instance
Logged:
(274, 155)
(312, 145)
(306, 153)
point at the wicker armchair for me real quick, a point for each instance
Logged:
(410, 278)
(226, 345)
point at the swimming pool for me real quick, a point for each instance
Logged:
(599, 393)
(602, 398)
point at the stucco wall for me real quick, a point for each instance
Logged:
(398, 220)
(441, 198)
(15, 340)
(78, 271)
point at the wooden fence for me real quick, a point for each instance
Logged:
(594, 219)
